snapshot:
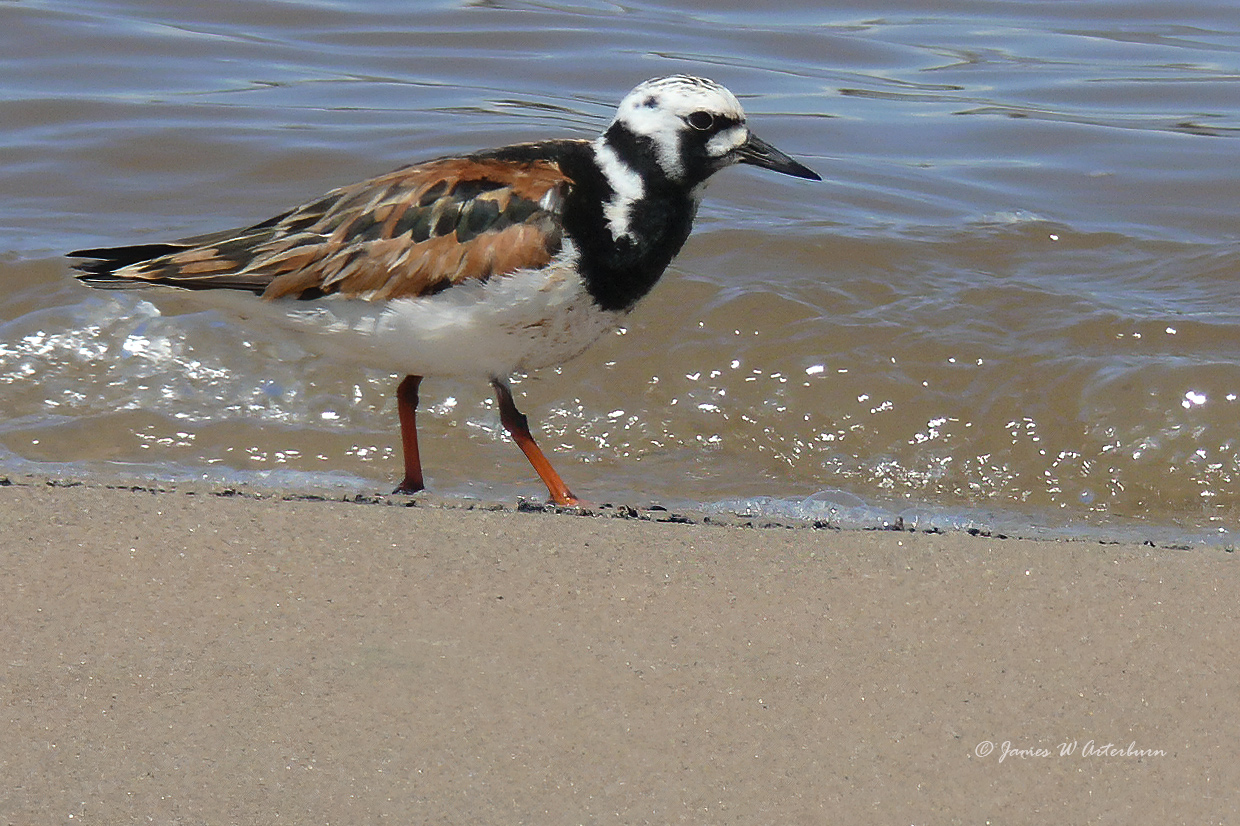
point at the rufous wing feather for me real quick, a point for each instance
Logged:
(411, 232)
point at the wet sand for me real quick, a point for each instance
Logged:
(186, 657)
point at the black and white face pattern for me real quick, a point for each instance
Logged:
(682, 129)
(695, 125)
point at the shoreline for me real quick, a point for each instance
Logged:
(226, 658)
(824, 510)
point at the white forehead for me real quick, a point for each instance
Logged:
(660, 104)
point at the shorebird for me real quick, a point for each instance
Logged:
(502, 261)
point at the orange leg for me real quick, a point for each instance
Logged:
(407, 409)
(518, 428)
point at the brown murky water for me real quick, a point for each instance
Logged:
(1013, 300)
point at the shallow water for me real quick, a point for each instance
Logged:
(1012, 300)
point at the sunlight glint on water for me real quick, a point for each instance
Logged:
(1014, 293)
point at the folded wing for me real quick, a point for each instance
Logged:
(409, 233)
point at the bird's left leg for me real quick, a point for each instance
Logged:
(407, 408)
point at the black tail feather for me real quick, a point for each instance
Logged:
(109, 259)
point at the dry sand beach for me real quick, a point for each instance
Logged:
(187, 657)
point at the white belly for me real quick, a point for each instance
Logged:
(517, 322)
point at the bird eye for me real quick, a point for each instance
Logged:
(701, 121)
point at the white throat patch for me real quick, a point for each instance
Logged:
(626, 185)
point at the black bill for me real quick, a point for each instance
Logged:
(758, 152)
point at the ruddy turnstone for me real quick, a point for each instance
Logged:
(487, 264)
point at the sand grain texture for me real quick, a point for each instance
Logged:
(190, 658)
